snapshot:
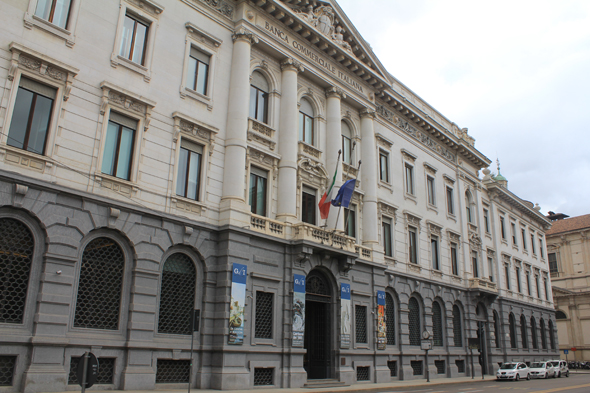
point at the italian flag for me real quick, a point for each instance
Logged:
(326, 200)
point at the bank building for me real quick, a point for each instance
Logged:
(164, 161)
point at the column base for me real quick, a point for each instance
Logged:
(138, 378)
(45, 379)
(234, 211)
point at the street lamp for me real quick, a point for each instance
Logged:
(427, 345)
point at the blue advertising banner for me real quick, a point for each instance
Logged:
(381, 326)
(345, 315)
(298, 310)
(236, 307)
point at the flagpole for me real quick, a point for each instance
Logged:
(335, 170)
(347, 218)
(345, 178)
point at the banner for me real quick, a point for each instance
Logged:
(345, 315)
(298, 310)
(236, 307)
(381, 326)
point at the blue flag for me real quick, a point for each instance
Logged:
(344, 194)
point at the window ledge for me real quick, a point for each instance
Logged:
(414, 267)
(120, 186)
(307, 150)
(188, 205)
(188, 92)
(390, 260)
(488, 235)
(451, 216)
(386, 185)
(117, 60)
(23, 158)
(411, 197)
(33, 20)
(432, 207)
(261, 133)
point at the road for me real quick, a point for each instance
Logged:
(574, 384)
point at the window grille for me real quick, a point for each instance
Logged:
(496, 329)
(457, 328)
(512, 322)
(263, 376)
(99, 288)
(551, 335)
(523, 332)
(534, 333)
(7, 364)
(264, 315)
(414, 321)
(543, 334)
(392, 365)
(437, 326)
(362, 374)
(416, 366)
(16, 252)
(177, 295)
(560, 315)
(440, 366)
(390, 319)
(460, 365)
(106, 371)
(360, 314)
(173, 371)
(316, 287)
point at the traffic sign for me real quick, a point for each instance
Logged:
(91, 370)
(574, 349)
(565, 351)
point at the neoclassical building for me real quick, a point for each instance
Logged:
(162, 162)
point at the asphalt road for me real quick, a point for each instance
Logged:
(574, 384)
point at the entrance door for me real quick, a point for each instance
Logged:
(483, 356)
(318, 335)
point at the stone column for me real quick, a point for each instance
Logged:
(233, 204)
(288, 146)
(369, 180)
(333, 144)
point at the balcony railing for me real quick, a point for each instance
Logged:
(267, 226)
(312, 233)
(483, 284)
(309, 151)
(364, 252)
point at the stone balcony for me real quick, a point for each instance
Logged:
(483, 285)
(267, 226)
(309, 151)
(261, 133)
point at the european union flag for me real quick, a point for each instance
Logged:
(344, 194)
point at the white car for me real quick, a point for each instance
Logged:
(513, 371)
(542, 370)
(561, 368)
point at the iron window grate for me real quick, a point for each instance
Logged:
(106, 371)
(523, 332)
(437, 327)
(390, 319)
(534, 333)
(543, 334)
(360, 315)
(99, 288)
(16, 253)
(173, 371)
(460, 365)
(457, 329)
(496, 330)
(512, 322)
(416, 366)
(177, 295)
(414, 321)
(440, 366)
(392, 365)
(263, 376)
(362, 374)
(264, 314)
(7, 365)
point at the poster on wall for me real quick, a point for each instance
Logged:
(381, 326)
(236, 306)
(345, 315)
(298, 310)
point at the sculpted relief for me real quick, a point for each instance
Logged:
(324, 20)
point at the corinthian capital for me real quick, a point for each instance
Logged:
(367, 112)
(243, 34)
(291, 64)
(333, 91)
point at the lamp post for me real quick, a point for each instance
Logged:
(426, 346)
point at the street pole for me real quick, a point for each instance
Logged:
(472, 370)
(190, 375)
(427, 368)
(84, 372)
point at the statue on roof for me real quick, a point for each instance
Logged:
(323, 19)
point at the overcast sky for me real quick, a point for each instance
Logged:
(515, 73)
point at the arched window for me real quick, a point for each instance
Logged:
(468, 210)
(551, 335)
(543, 334)
(177, 295)
(512, 322)
(390, 319)
(457, 328)
(99, 286)
(306, 133)
(534, 332)
(414, 321)
(497, 329)
(259, 97)
(437, 325)
(523, 332)
(560, 315)
(16, 254)
(346, 144)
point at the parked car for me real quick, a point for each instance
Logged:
(543, 370)
(561, 368)
(513, 371)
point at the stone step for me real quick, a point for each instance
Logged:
(323, 383)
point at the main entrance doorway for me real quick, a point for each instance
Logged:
(482, 315)
(318, 334)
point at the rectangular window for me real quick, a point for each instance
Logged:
(308, 205)
(198, 71)
(409, 179)
(350, 220)
(346, 150)
(416, 367)
(431, 190)
(491, 268)
(523, 233)
(258, 104)
(413, 245)
(134, 39)
(538, 286)
(258, 187)
(552, 262)
(507, 272)
(486, 220)
(383, 166)
(528, 283)
(360, 315)
(54, 11)
(502, 228)
(454, 260)
(450, 202)
(474, 264)
(546, 289)
(434, 252)
(118, 149)
(305, 128)
(533, 246)
(386, 227)
(263, 320)
(31, 116)
(518, 286)
(513, 228)
(541, 248)
(188, 181)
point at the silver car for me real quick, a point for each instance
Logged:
(513, 371)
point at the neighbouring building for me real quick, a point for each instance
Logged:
(568, 251)
(161, 157)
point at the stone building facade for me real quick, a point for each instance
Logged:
(568, 249)
(158, 158)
